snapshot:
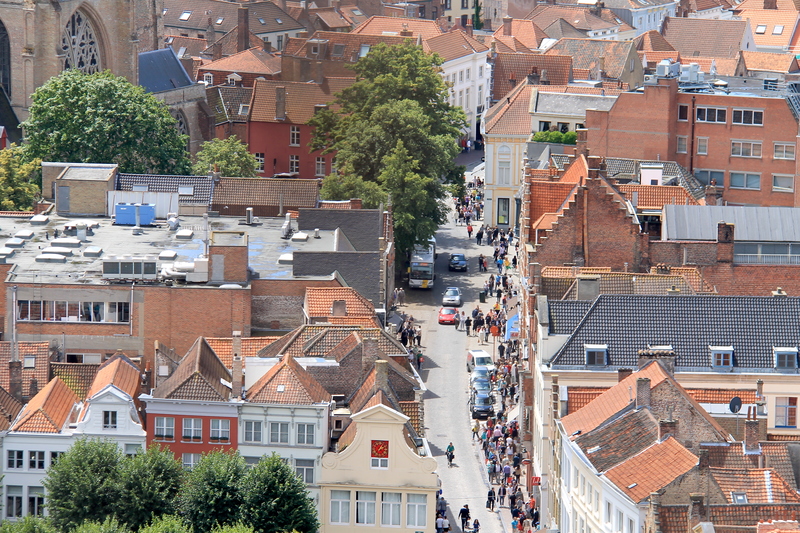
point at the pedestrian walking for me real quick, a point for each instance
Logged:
(468, 325)
(445, 524)
(462, 320)
(439, 524)
(490, 499)
(469, 230)
(501, 495)
(401, 296)
(476, 526)
(463, 514)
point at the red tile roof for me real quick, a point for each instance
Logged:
(288, 383)
(548, 197)
(260, 192)
(252, 61)
(657, 196)
(652, 41)
(511, 115)
(223, 347)
(556, 69)
(580, 397)
(9, 409)
(77, 376)
(120, 372)
(300, 98)
(761, 485)
(722, 396)
(586, 54)
(39, 351)
(578, 17)
(704, 37)
(394, 25)
(453, 45)
(525, 31)
(766, 62)
(723, 66)
(319, 302)
(200, 376)
(652, 469)
(773, 36)
(347, 46)
(48, 411)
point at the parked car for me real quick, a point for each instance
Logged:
(479, 386)
(480, 372)
(457, 262)
(481, 405)
(447, 315)
(479, 358)
(452, 297)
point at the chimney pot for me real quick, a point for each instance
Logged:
(667, 428)
(642, 393)
(751, 432)
(507, 26)
(243, 29)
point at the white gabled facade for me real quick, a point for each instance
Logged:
(470, 79)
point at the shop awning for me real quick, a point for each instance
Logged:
(512, 327)
(513, 413)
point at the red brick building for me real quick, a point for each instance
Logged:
(747, 143)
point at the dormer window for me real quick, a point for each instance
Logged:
(233, 79)
(721, 356)
(208, 78)
(30, 361)
(785, 357)
(738, 497)
(364, 50)
(244, 109)
(596, 354)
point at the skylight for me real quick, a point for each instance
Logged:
(281, 388)
(777, 30)
(357, 12)
(219, 20)
(761, 29)
(279, 21)
(185, 15)
(262, 21)
(164, 11)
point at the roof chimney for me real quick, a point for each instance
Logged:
(469, 27)
(243, 41)
(211, 34)
(15, 379)
(507, 26)
(702, 455)
(751, 432)
(369, 354)
(779, 293)
(667, 428)
(238, 370)
(770, 4)
(266, 46)
(674, 291)
(381, 376)
(588, 286)
(280, 103)
(623, 373)
(642, 393)
(34, 388)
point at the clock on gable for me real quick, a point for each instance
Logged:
(379, 454)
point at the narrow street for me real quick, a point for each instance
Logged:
(447, 416)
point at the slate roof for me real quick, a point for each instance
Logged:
(48, 411)
(652, 41)
(525, 31)
(266, 192)
(161, 70)
(41, 365)
(288, 383)
(252, 61)
(201, 185)
(752, 325)
(585, 54)
(223, 347)
(318, 340)
(761, 485)
(756, 224)
(77, 376)
(228, 44)
(9, 409)
(301, 98)
(619, 440)
(571, 104)
(202, 10)
(767, 62)
(453, 45)
(378, 25)
(319, 302)
(199, 376)
(513, 66)
(704, 37)
(363, 227)
(652, 469)
(227, 100)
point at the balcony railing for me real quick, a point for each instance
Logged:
(766, 259)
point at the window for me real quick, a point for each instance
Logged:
(13, 501)
(294, 163)
(416, 510)
(619, 521)
(783, 183)
(279, 432)
(133, 449)
(786, 412)
(745, 180)
(502, 210)
(739, 497)
(777, 30)
(185, 15)
(305, 433)
(390, 508)
(466, 99)
(711, 114)
(190, 460)
(480, 72)
(631, 525)
(320, 167)
(219, 21)
(784, 151)
(785, 357)
(36, 460)
(305, 470)
(294, 136)
(192, 429)
(364, 50)
(252, 431)
(468, 74)
(165, 428)
(707, 176)
(761, 29)
(596, 353)
(340, 507)
(220, 430)
(460, 76)
(745, 149)
(544, 125)
(721, 356)
(702, 146)
(36, 501)
(109, 420)
(54, 457)
(244, 109)
(681, 149)
(609, 512)
(748, 117)
(280, 41)
(480, 98)
(683, 112)
(338, 50)
(78, 311)
(461, 98)
(583, 485)
(365, 507)
(14, 458)
(259, 161)
(633, 64)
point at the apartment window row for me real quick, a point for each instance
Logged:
(219, 430)
(368, 509)
(73, 311)
(746, 149)
(14, 500)
(618, 522)
(745, 180)
(785, 412)
(719, 115)
(740, 148)
(257, 432)
(15, 459)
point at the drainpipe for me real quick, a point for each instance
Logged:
(14, 347)
(691, 137)
(130, 308)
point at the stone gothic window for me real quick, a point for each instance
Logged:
(5, 60)
(80, 46)
(183, 127)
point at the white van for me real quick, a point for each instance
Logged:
(479, 358)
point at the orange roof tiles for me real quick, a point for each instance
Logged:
(654, 58)
(779, 24)
(586, 54)
(362, 321)
(548, 197)
(39, 351)
(77, 376)
(652, 469)
(288, 383)
(657, 196)
(229, 43)
(252, 61)
(330, 17)
(48, 411)
(762, 485)
(510, 116)
(579, 397)
(525, 31)
(120, 372)
(394, 25)
(300, 98)
(722, 396)
(319, 302)
(347, 46)
(452, 45)
(223, 347)
(763, 61)
(578, 17)
(652, 41)
(507, 45)
(555, 69)
(704, 37)
(723, 66)
(261, 192)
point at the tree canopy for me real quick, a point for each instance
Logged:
(394, 133)
(212, 494)
(18, 188)
(231, 157)
(102, 118)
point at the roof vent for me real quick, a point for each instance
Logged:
(281, 388)
(779, 293)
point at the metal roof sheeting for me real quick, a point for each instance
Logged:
(755, 224)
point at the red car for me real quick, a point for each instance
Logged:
(447, 315)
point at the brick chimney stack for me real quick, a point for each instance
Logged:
(667, 428)
(507, 26)
(15, 379)
(469, 27)
(243, 41)
(643, 393)
(623, 373)
(751, 432)
(381, 376)
(237, 378)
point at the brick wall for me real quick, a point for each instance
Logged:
(667, 401)
(235, 262)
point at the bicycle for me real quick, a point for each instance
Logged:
(450, 456)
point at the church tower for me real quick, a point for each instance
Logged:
(40, 38)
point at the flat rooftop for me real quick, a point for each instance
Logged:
(85, 264)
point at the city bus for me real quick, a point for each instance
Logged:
(423, 260)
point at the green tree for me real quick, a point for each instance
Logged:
(231, 156)
(83, 485)
(109, 525)
(234, 528)
(541, 136)
(149, 483)
(212, 493)
(399, 95)
(102, 118)
(555, 137)
(477, 16)
(29, 524)
(570, 138)
(18, 188)
(276, 499)
(346, 186)
(166, 524)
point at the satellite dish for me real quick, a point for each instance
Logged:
(735, 405)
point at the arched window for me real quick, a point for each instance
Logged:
(80, 45)
(183, 127)
(5, 60)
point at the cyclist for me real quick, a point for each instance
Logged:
(450, 453)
